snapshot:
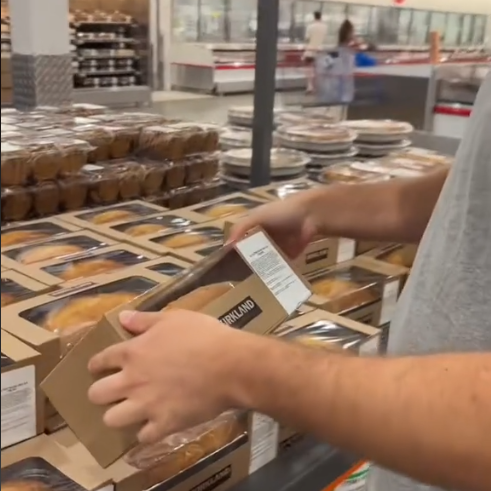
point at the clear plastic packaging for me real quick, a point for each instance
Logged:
(16, 167)
(148, 226)
(203, 235)
(73, 192)
(348, 174)
(153, 176)
(45, 198)
(16, 203)
(347, 288)
(163, 143)
(13, 292)
(237, 205)
(175, 176)
(31, 232)
(100, 138)
(92, 265)
(60, 248)
(125, 212)
(181, 451)
(205, 139)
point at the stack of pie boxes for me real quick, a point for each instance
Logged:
(61, 275)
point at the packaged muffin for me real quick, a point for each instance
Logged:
(175, 177)
(122, 143)
(45, 157)
(75, 155)
(35, 231)
(16, 164)
(179, 198)
(16, 203)
(153, 176)
(45, 198)
(211, 165)
(103, 184)
(64, 247)
(203, 137)
(210, 190)
(73, 192)
(99, 138)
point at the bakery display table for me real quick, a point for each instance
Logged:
(307, 466)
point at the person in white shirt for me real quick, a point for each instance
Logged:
(315, 37)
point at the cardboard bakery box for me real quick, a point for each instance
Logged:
(17, 287)
(364, 246)
(169, 264)
(318, 329)
(22, 402)
(53, 322)
(184, 240)
(248, 285)
(92, 263)
(40, 463)
(319, 254)
(229, 205)
(202, 464)
(34, 231)
(105, 215)
(141, 228)
(66, 246)
(363, 289)
(396, 254)
(283, 190)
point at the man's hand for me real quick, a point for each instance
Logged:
(289, 223)
(173, 375)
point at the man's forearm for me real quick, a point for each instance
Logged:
(425, 417)
(390, 211)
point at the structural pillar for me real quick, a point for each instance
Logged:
(41, 57)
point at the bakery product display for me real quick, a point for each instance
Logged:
(181, 240)
(200, 297)
(25, 486)
(111, 216)
(15, 237)
(84, 311)
(145, 229)
(7, 299)
(48, 251)
(90, 267)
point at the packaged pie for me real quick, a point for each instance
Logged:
(16, 203)
(34, 231)
(181, 451)
(16, 287)
(424, 156)
(106, 216)
(45, 198)
(235, 137)
(16, 164)
(379, 130)
(66, 246)
(73, 192)
(396, 254)
(347, 173)
(93, 263)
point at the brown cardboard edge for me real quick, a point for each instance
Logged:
(24, 279)
(73, 217)
(36, 270)
(15, 349)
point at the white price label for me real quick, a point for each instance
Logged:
(274, 271)
(264, 441)
(389, 301)
(18, 405)
(346, 250)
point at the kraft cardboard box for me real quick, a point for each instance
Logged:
(184, 240)
(318, 255)
(335, 332)
(231, 204)
(111, 215)
(364, 246)
(34, 231)
(363, 289)
(17, 287)
(42, 462)
(92, 263)
(22, 402)
(283, 190)
(141, 228)
(64, 246)
(53, 322)
(248, 285)
(169, 264)
(180, 470)
(397, 254)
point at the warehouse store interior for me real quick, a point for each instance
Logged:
(138, 136)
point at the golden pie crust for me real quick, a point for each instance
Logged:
(199, 298)
(220, 211)
(145, 229)
(46, 252)
(84, 311)
(179, 241)
(88, 268)
(25, 486)
(16, 237)
(113, 216)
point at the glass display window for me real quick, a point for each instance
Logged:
(467, 30)
(334, 13)
(420, 24)
(242, 16)
(185, 20)
(479, 30)
(438, 23)
(453, 29)
(360, 16)
(212, 20)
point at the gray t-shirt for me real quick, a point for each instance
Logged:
(446, 304)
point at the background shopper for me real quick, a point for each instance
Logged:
(315, 38)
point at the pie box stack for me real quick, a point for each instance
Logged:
(60, 462)
(53, 322)
(22, 402)
(283, 190)
(323, 330)
(34, 231)
(159, 223)
(63, 246)
(248, 285)
(182, 241)
(319, 254)
(232, 204)
(17, 287)
(110, 215)
(364, 290)
(105, 260)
